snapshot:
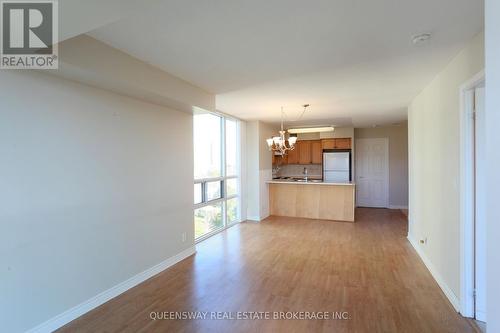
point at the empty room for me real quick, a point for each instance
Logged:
(249, 166)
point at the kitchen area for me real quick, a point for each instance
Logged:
(314, 178)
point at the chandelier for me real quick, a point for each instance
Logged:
(279, 143)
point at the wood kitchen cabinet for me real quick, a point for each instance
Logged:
(344, 143)
(310, 151)
(316, 152)
(304, 148)
(328, 143)
(340, 143)
(293, 155)
(283, 159)
(315, 201)
(279, 159)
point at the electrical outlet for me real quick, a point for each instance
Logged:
(183, 237)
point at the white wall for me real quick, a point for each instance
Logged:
(398, 159)
(243, 171)
(265, 166)
(493, 161)
(252, 159)
(259, 169)
(433, 126)
(339, 132)
(94, 188)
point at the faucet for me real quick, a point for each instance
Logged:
(304, 172)
(275, 170)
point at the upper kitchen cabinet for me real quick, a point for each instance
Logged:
(340, 143)
(305, 152)
(344, 143)
(304, 148)
(328, 143)
(279, 159)
(293, 155)
(316, 152)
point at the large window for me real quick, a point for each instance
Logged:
(216, 173)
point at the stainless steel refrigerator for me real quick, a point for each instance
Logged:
(337, 166)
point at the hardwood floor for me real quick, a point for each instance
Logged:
(367, 269)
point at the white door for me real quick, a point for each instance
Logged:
(372, 172)
(480, 217)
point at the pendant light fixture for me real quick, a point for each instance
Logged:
(280, 143)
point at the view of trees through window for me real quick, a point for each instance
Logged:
(216, 173)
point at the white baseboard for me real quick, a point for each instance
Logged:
(265, 216)
(439, 279)
(82, 308)
(257, 218)
(398, 207)
(481, 316)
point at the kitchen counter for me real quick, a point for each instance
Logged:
(308, 182)
(312, 199)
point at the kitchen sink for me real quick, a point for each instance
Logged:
(308, 180)
(299, 180)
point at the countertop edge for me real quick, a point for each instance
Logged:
(308, 183)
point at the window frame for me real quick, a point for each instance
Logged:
(223, 179)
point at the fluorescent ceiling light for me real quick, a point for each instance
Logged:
(311, 129)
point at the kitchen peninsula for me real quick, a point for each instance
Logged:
(312, 199)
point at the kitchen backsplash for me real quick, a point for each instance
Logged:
(296, 170)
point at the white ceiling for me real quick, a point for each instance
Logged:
(77, 16)
(352, 60)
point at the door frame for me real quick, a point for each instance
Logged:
(386, 171)
(467, 195)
